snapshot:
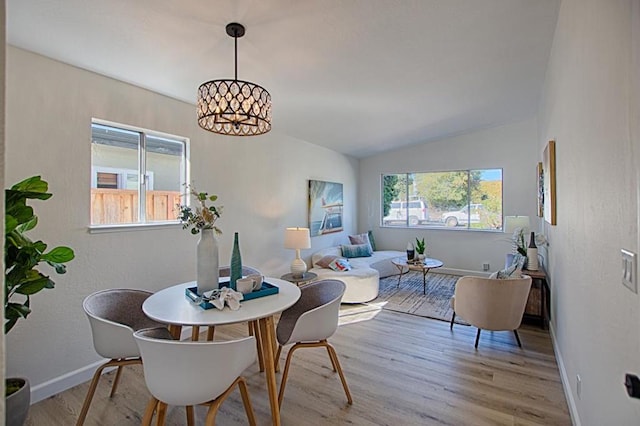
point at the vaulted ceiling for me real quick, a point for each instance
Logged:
(356, 76)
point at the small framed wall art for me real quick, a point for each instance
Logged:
(549, 178)
(540, 175)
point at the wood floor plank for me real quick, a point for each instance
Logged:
(401, 369)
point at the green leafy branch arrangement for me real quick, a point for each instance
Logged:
(21, 255)
(202, 216)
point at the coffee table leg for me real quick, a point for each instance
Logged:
(400, 268)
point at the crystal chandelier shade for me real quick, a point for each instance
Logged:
(234, 107)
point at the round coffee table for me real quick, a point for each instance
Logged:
(425, 266)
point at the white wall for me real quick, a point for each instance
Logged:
(511, 147)
(586, 108)
(2, 110)
(261, 181)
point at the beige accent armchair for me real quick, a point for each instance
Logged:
(491, 304)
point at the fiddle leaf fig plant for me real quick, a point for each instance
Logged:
(22, 255)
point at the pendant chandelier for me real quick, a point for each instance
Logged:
(234, 107)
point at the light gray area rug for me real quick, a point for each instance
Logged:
(408, 297)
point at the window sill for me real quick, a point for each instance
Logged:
(100, 229)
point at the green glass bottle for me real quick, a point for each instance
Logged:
(236, 263)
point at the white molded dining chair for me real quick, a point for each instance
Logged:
(114, 315)
(309, 323)
(193, 373)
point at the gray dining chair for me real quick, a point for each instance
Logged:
(309, 323)
(114, 315)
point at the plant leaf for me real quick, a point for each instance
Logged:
(60, 254)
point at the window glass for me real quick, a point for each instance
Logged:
(462, 199)
(128, 166)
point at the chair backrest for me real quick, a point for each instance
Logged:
(314, 316)
(225, 271)
(114, 315)
(190, 373)
(492, 304)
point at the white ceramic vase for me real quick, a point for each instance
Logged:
(207, 262)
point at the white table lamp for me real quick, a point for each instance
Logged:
(297, 238)
(513, 223)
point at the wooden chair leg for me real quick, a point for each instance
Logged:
(285, 374)
(477, 338)
(162, 413)
(195, 333)
(210, 331)
(189, 409)
(244, 392)
(116, 380)
(453, 317)
(517, 337)
(279, 351)
(96, 378)
(215, 404)
(336, 362)
(148, 412)
(333, 363)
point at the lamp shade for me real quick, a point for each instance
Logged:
(511, 223)
(297, 238)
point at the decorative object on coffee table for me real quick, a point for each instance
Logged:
(297, 239)
(420, 248)
(410, 251)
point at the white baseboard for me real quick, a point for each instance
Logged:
(73, 378)
(461, 272)
(64, 382)
(566, 383)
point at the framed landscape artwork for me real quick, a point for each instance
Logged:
(325, 207)
(549, 178)
(540, 182)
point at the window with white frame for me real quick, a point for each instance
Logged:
(461, 199)
(137, 175)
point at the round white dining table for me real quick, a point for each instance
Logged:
(171, 306)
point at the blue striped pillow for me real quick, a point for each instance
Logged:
(357, 250)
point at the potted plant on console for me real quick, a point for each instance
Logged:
(420, 247)
(22, 279)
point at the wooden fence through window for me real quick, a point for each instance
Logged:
(115, 206)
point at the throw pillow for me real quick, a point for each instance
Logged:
(357, 250)
(360, 239)
(326, 260)
(510, 272)
(371, 240)
(340, 264)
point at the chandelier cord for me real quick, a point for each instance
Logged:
(235, 38)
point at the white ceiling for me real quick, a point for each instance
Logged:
(357, 76)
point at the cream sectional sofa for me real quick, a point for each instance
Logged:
(363, 279)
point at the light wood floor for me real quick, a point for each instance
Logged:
(401, 369)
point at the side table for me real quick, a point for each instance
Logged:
(540, 276)
(306, 278)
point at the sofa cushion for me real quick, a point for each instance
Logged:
(361, 239)
(356, 250)
(371, 240)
